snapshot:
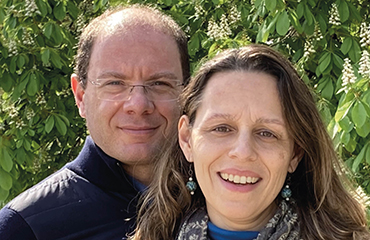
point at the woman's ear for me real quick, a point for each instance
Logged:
(78, 92)
(185, 137)
(297, 157)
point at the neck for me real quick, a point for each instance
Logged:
(142, 173)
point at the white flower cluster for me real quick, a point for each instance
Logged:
(27, 39)
(12, 46)
(365, 34)
(318, 33)
(234, 16)
(199, 11)
(219, 31)
(31, 8)
(348, 76)
(40, 100)
(30, 113)
(308, 48)
(362, 197)
(334, 15)
(364, 69)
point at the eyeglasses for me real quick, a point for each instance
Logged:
(120, 90)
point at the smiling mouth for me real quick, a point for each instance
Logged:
(239, 179)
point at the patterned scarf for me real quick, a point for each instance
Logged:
(283, 225)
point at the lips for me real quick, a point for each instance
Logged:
(139, 129)
(238, 179)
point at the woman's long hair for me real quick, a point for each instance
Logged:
(325, 203)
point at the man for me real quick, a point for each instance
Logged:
(130, 67)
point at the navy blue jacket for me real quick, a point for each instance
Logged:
(90, 198)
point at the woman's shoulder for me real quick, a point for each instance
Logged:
(194, 225)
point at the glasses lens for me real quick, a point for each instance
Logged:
(156, 90)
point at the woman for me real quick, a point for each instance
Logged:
(261, 155)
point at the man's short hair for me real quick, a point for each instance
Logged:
(125, 18)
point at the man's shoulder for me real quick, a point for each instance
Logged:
(55, 191)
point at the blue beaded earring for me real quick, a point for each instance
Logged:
(286, 193)
(191, 185)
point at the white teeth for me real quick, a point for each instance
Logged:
(238, 179)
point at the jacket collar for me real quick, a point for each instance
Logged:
(102, 170)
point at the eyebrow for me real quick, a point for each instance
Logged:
(271, 120)
(259, 120)
(168, 75)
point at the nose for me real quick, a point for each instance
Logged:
(243, 148)
(138, 102)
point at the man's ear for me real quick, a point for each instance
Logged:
(185, 137)
(297, 157)
(78, 92)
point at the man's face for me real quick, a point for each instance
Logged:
(131, 130)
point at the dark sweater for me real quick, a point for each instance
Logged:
(90, 198)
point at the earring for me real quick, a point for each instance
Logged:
(286, 192)
(191, 185)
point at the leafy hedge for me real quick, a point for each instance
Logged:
(41, 130)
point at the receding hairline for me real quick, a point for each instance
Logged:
(124, 19)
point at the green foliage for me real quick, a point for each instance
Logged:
(39, 123)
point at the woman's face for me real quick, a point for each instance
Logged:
(240, 147)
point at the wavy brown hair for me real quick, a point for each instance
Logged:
(324, 200)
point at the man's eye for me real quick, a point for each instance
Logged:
(222, 129)
(161, 83)
(115, 83)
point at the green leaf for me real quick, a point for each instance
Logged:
(343, 11)
(308, 15)
(59, 11)
(6, 181)
(363, 131)
(338, 61)
(322, 23)
(41, 5)
(48, 29)
(32, 86)
(270, 5)
(359, 158)
(21, 61)
(193, 44)
(6, 161)
(358, 114)
(300, 10)
(55, 59)
(367, 156)
(72, 9)
(346, 124)
(345, 137)
(324, 61)
(13, 64)
(49, 123)
(3, 194)
(346, 45)
(343, 110)
(60, 125)
(7, 82)
(283, 24)
(351, 145)
(328, 90)
(355, 52)
(45, 55)
(57, 34)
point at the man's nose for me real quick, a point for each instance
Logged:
(138, 102)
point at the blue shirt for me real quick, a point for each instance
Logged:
(216, 233)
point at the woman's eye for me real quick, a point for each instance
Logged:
(266, 134)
